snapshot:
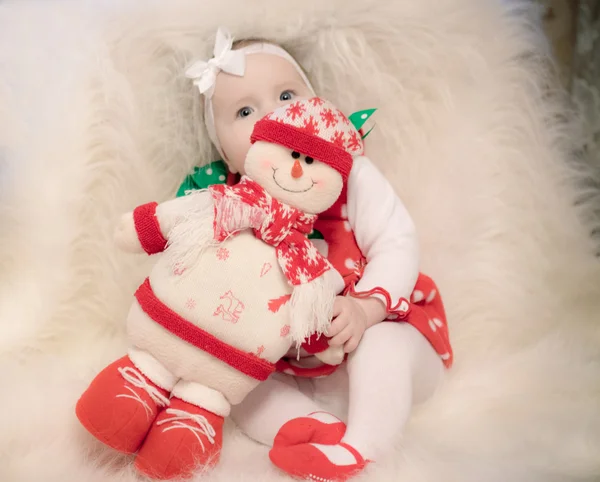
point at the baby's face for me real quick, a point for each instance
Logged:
(238, 102)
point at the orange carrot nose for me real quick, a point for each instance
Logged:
(297, 169)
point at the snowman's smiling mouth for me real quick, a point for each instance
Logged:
(291, 190)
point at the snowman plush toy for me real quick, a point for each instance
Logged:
(238, 285)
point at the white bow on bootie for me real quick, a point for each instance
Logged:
(204, 74)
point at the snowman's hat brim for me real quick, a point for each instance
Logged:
(296, 139)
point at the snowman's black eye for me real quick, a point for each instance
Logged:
(295, 154)
(309, 160)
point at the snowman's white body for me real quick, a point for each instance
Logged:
(226, 292)
(232, 290)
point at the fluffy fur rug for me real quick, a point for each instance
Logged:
(95, 118)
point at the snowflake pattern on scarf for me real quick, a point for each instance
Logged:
(248, 206)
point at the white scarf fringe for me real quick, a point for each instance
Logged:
(195, 231)
(311, 309)
(191, 235)
(233, 215)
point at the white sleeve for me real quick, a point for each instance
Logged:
(384, 232)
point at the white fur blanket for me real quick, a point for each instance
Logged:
(95, 118)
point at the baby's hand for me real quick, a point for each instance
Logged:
(349, 323)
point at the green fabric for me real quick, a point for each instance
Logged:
(314, 234)
(203, 177)
(359, 118)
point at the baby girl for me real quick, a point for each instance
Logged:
(395, 355)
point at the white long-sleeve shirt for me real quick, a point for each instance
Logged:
(384, 232)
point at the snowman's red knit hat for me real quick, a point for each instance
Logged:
(314, 128)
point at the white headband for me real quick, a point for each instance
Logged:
(204, 74)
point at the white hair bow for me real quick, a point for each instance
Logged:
(205, 73)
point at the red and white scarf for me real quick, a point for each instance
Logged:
(247, 205)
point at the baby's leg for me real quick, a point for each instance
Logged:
(273, 403)
(393, 368)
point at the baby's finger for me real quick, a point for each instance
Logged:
(337, 325)
(338, 306)
(351, 344)
(341, 337)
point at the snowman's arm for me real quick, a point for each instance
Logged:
(147, 227)
(333, 355)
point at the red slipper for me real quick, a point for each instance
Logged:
(316, 427)
(322, 463)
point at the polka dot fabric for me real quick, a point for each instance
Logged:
(202, 177)
(427, 315)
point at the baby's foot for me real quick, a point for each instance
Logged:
(322, 463)
(183, 439)
(316, 427)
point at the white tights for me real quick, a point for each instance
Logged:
(393, 368)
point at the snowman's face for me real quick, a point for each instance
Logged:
(293, 178)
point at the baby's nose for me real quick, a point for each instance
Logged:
(297, 169)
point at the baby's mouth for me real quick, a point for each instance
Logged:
(291, 190)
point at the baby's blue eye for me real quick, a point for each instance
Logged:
(245, 112)
(286, 95)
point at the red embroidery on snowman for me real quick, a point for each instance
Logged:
(222, 254)
(260, 350)
(338, 139)
(178, 270)
(329, 118)
(190, 304)
(343, 118)
(276, 304)
(265, 269)
(231, 309)
(295, 110)
(285, 330)
(311, 127)
(354, 143)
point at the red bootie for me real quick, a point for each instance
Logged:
(183, 439)
(322, 463)
(317, 427)
(120, 405)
